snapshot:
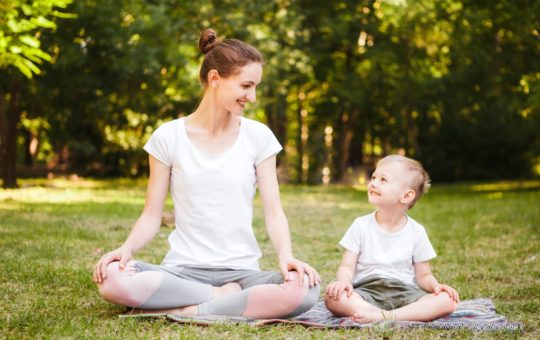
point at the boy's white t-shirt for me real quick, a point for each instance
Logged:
(213, 195)
(389, 255)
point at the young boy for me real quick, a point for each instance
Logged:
(384, 273)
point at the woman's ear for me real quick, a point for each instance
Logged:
(213, 78)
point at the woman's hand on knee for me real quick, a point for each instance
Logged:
(286, 265)
(122, 254)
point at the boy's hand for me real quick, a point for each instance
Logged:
(438, 288)
(337, 288)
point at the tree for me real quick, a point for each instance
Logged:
(452, 83)
(21, 25)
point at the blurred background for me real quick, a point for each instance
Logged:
(455, 84)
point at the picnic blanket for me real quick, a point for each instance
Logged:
(475, 315)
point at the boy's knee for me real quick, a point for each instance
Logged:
(330, 302)
(449, 305)
(334, 305)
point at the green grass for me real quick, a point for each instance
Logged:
(486, 236)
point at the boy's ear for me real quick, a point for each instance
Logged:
(408, 196)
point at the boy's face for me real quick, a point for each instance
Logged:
(388, 186)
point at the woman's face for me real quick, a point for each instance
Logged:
(234, 92)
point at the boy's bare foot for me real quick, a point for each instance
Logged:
(369, 314)
(231, 287)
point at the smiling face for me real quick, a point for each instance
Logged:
(234, 92)
(389, 187)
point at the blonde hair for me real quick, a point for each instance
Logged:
(419, 180)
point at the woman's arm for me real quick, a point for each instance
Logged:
(148, 223)
(146, 226)
(276, 222)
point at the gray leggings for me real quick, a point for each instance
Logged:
(264, 293)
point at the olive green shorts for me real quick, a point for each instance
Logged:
(387, 294)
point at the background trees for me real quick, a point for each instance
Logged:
(21, 25)
(453, 83)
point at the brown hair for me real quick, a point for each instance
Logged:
(418, 178)
(224, 56)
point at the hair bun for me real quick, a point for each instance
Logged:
(207, 40)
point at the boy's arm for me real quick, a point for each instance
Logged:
(347, 267)
(344, 276)
(424, 277)
(427, 281)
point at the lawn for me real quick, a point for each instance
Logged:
(52, 232)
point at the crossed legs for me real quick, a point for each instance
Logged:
(427, 308)
(162, 292)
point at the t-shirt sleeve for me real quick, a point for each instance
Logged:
(423, 250)
(352, 239)
(160, 144)
(267, 144)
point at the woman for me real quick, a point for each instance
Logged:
(212, 160)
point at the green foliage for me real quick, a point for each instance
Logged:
(21, 22)
(120, 72)
(452, 83)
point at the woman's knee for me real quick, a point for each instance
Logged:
(309, 295)
(115, 287)
(105, 288)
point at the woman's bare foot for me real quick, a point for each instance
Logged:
(186, 311)
(193, 310)
(183, 311)
(370, 314)
(231, 287)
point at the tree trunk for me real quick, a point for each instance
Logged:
(343, 146)
(347, 125)
(276, 117)
(410, 135)
(10, 114)
(301, 177)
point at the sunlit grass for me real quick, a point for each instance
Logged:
(506, 186)
(52, 232)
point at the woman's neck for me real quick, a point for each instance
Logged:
(391, 220)
(208, 117)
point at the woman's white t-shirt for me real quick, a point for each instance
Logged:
(389, 255)
(213, 195)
